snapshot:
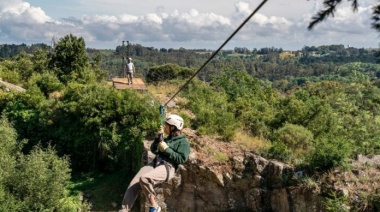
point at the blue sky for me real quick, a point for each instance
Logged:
(194, 24)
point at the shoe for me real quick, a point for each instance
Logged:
(155, 209)
(123, 209)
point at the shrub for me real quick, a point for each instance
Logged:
(41, 179)
(329, 152)
(278, 151)
(8, 149)
(167, 72)
(112, 124)
(9, 73)
(221, 157)
(335, 203)
(298, 139)
(8, 202)
(211, 111)
(36, 182)
(47, 82)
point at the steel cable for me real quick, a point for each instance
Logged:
(217, 51)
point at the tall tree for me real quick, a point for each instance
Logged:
(70, 58)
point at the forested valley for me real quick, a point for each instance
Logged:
(71, 141)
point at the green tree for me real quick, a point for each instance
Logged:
(40, 61)
(24, 66)
(70, 59)
(95, 65)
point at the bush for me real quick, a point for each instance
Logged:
(335, 203)
(8, 149)
(278, 151)
(102, 128)
(9, 73)
(34, 182)
(298, 139)
(167, 72)
(8, 202)
(249, 102)
(41, 179)
(211, 111)
(8, 152)
(47, 82)
(329, 153)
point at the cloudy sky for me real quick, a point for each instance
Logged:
(194, 24)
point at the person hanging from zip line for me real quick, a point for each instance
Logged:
(170, 152)
(130, 69)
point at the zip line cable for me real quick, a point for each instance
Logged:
(213, 55)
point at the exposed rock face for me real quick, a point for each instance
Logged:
(259, 185)
(247, 182)
(8, 86)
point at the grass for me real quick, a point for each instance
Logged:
(103, 192)
(249, 141)
(163, 88)
(221, 157)
(310, 183)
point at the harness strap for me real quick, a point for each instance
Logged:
(167, 171)
(158, 161)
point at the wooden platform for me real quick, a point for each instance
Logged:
(122, 83)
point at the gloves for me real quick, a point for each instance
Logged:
(161, 130)
(162, 146)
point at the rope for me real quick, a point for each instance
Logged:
(217, 51)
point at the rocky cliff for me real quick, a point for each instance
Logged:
(221, 176)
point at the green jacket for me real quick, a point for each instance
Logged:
(178, 151)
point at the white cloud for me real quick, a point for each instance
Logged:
(22, 12)
(21, 22)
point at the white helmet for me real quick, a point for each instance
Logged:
(175, 120)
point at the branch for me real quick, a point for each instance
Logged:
(376, 17)
(329, 10)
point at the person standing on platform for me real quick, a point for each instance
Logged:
(130, 69)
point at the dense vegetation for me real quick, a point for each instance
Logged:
(315, 108)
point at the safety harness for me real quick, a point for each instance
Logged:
(160, 161)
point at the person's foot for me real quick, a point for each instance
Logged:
(155, 209)
(123, 209)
